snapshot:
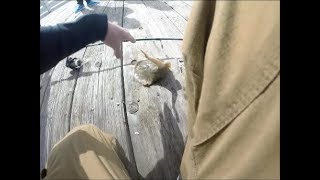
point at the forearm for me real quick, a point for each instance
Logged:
(62, 40)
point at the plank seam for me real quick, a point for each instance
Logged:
(175, 11)
(171, 20)
(72, 96)
(133, 159)
(45, 91)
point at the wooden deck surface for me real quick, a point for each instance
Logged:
(149, 122)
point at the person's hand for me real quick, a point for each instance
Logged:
(115, 36)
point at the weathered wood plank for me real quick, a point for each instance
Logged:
(158, 127)
(84, 102)
(47, 7)
(65, 14)
(180, 7)
(96, 9)
(48, 138)
(166, 27)
(45, 79)
(50, 114)
(176, 19)
(98, 93)
(190, 2)
(62, 11)
(137, 11)
(153, 23)
(52, 4)
(54, 18)
(54, 113)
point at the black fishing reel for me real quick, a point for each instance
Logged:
(74, 63)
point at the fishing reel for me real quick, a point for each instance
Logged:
(74, 63)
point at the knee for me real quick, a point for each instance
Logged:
(92, 130)
(83, 131)
(79, 132)
(85, 127)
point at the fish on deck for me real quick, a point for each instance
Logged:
(151, 70)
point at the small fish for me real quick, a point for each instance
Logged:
(149, 71)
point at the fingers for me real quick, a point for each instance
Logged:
(118, 51)
(129, 37)
(115, 36)
(126, 36)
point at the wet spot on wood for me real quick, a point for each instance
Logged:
(133, 62)
(98, 64)
(133, 107)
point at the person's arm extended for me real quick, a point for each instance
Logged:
(62, 40)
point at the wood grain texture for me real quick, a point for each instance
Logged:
(98, 93)
(89, 10)
(176, 19)
(156, 115)
(55, 109)
(158, 127)
(63, 11)
(180, 7)
(56, 83)
(153, 23)
(55, 93)
(190, 2)
(45, 79)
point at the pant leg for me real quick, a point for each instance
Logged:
(80, 2)
(86, 153)
(232, 58)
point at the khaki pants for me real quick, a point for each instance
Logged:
(231, 51)
(86, 153)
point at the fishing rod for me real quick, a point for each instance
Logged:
(145, 39)
(76, 63)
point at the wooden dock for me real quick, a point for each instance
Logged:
(149, 122)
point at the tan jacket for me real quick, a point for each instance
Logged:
(232, 54)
